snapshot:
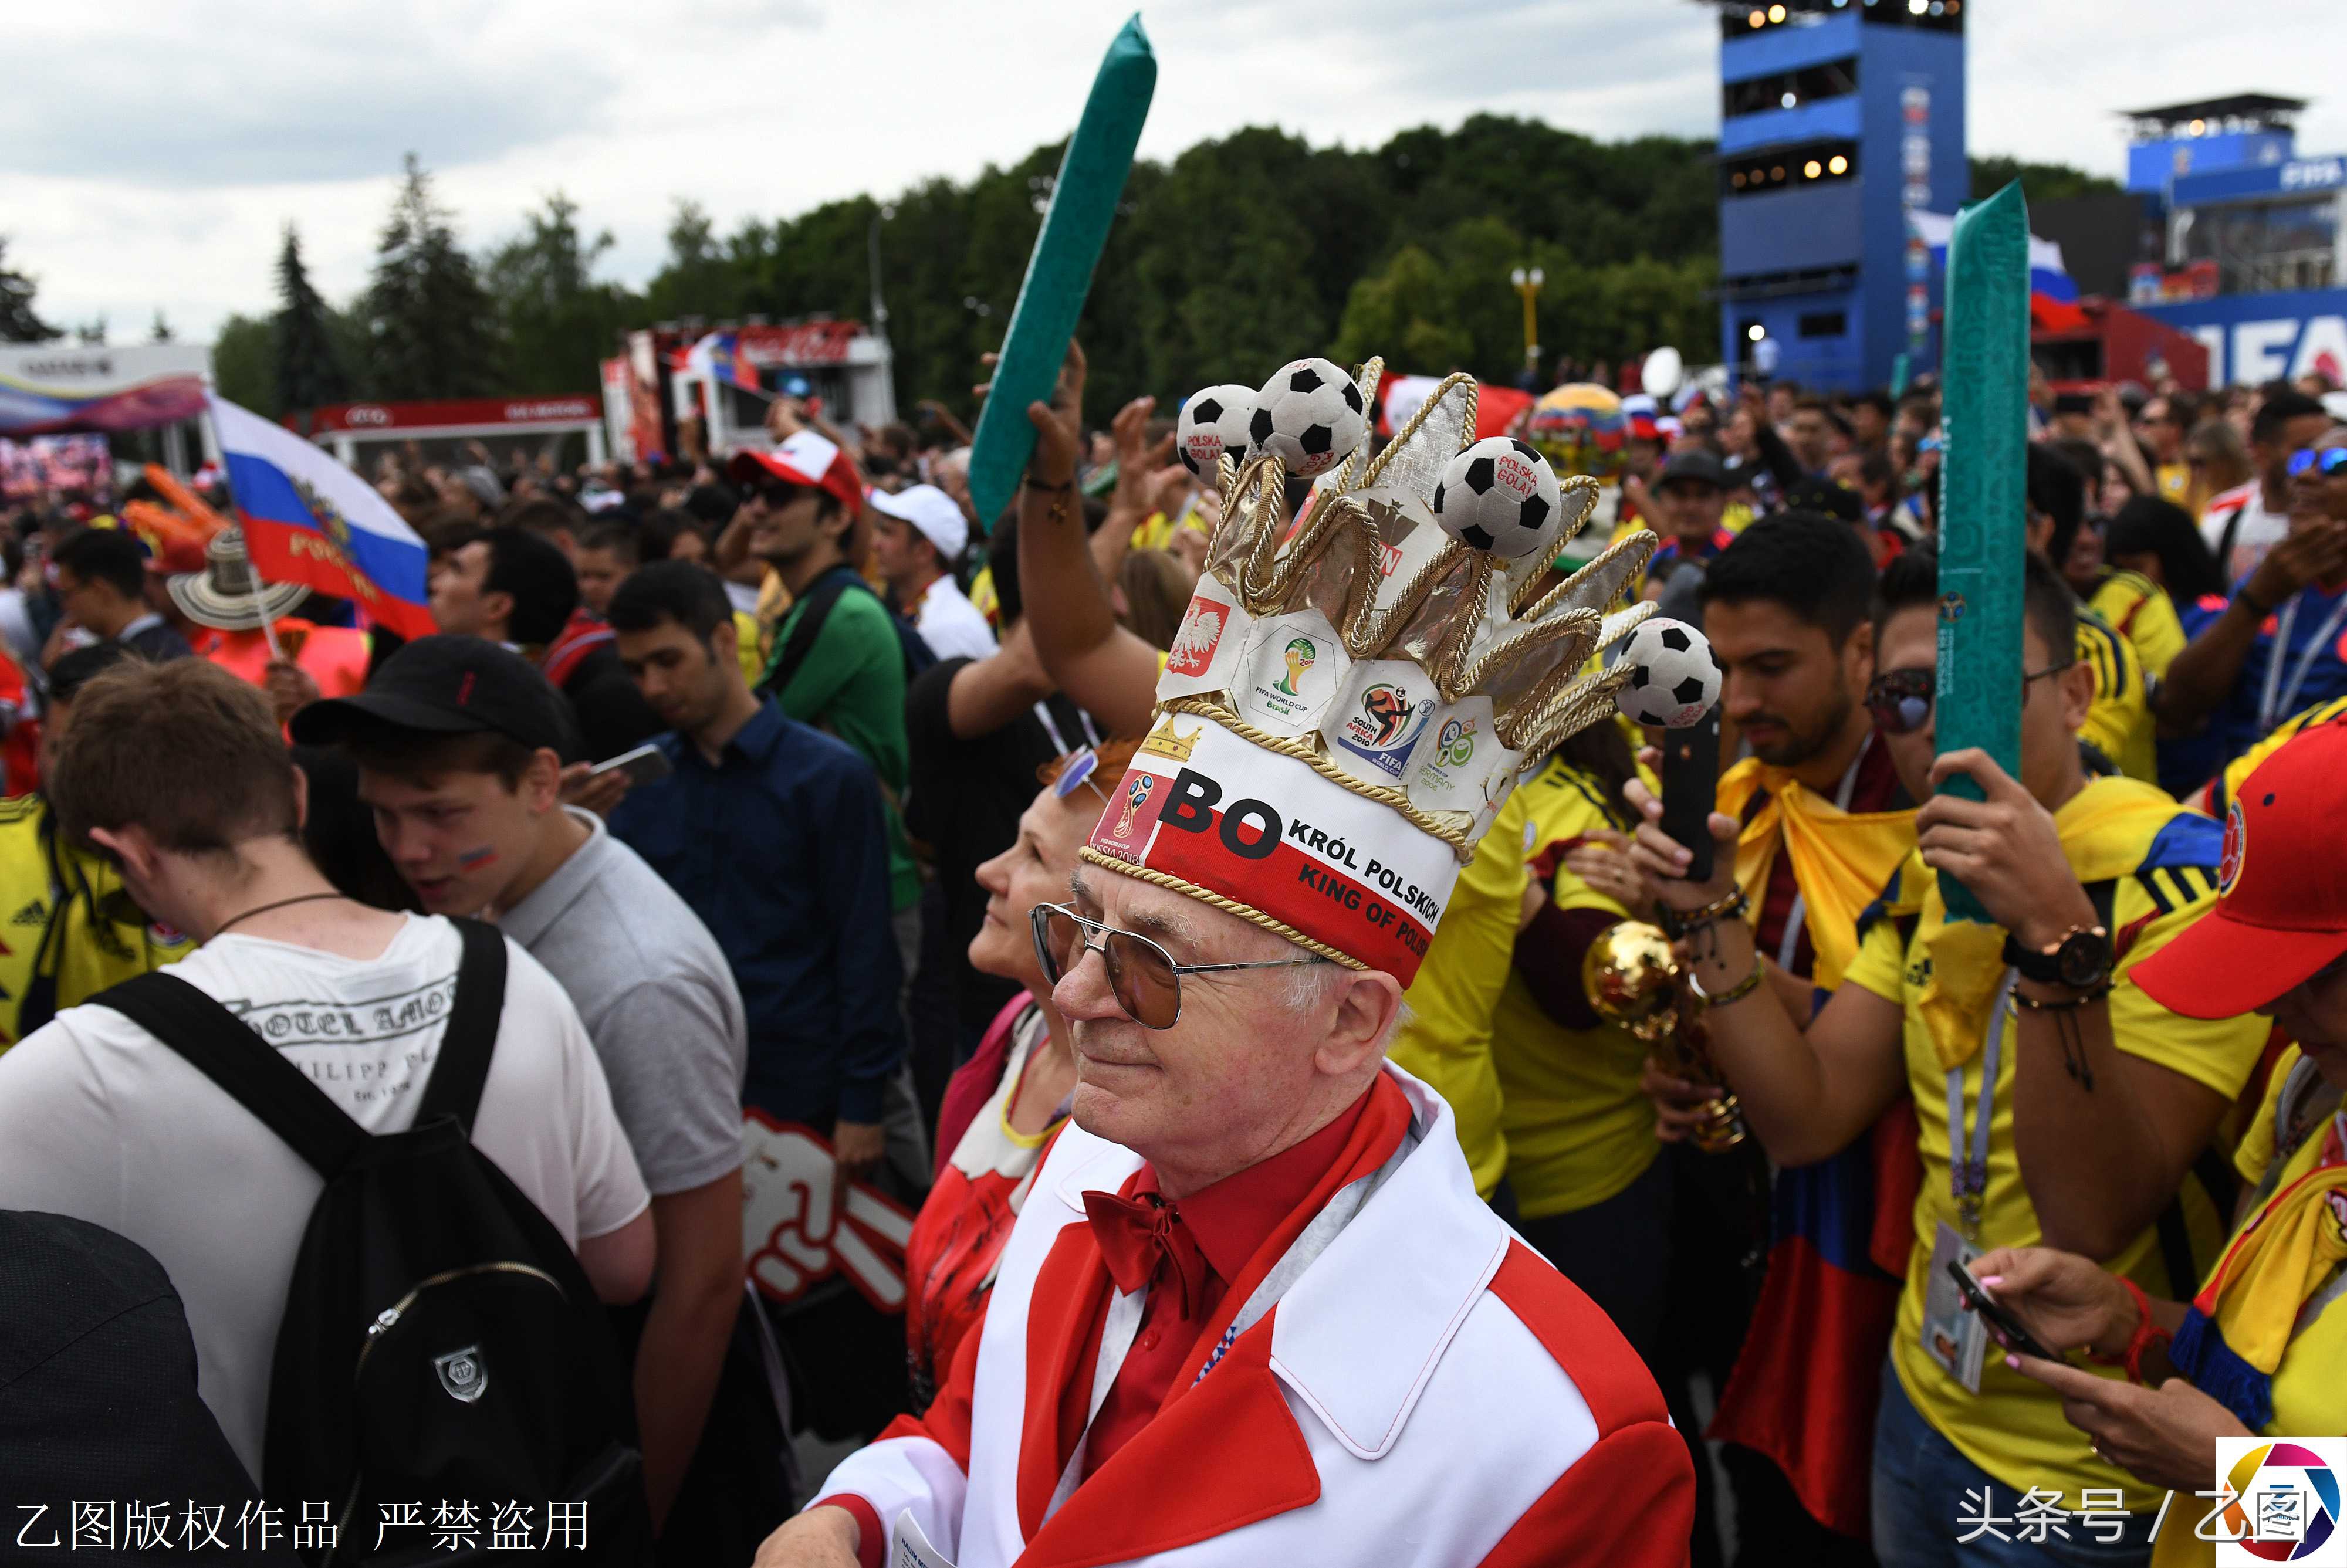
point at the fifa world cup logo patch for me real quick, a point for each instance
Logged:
(1300, 653)
(1135, 797)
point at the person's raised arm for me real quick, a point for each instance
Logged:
(1805, 1095)
(2117, 442)
(2203, 675)
(732, 546)
(2104, 1136)
(1108, 671)
(1137, 462)
(987, 694)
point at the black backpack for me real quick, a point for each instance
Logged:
(442, 1350)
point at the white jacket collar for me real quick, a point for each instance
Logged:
(1360, 1334)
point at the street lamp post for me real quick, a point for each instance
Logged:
(1528, 285)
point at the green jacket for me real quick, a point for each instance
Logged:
(852, 683)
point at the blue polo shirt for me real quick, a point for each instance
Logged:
(2299, 658)
(782, 849)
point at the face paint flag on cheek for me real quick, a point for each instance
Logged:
(476, 859)
(1358, 684)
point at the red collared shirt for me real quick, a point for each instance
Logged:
(1244, 1224)
(1233, 1221)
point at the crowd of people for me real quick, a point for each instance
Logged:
(792, 785)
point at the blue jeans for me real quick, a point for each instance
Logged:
(1919, 1486)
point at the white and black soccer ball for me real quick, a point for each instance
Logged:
(1498, 496)
(1310, 415)
(1673, 675)
(1214, 422)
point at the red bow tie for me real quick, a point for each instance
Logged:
(1139, 1237)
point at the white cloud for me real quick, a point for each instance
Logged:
(158, 151)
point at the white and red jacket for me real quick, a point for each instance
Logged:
(1428, 1392)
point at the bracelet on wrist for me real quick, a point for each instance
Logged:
(1676, 924)
(1032, 483)
(1734, 994)
(2146, 1336)
(2251, 599)
(2065, 1004)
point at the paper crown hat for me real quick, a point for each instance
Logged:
(1353, 694)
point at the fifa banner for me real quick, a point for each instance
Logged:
(53, 388)
(1207, 809)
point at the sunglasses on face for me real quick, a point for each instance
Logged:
(1900, 701)
(2330, 462)
(1142, 976)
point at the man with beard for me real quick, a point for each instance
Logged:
(1825, 822)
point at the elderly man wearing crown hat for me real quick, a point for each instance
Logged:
(1253, 1311)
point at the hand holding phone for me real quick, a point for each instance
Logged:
(1690, 787)
(641, 766)
(2000, 1319)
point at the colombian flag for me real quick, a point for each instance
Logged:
(309, 520)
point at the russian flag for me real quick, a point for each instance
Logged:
(718, 356)
(309, 520)
(2049, 274)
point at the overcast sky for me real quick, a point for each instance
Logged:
(155, 149)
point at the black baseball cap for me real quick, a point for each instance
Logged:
(446, 685)
(1816, 495)
(1699, 464)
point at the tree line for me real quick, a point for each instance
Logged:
(1237, 255)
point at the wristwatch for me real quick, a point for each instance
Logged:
(2080, 960)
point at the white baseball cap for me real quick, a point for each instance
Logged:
(932, 511)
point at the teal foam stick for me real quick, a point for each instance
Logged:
(1983, 525)
(1060, 272)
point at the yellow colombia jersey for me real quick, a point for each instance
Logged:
(2310, 1386)
(2013, 1429)
(2119, 723)
(2139, 609)
(67, 930)
(2218, 796)
(1578, 1128)
(1446, 1038)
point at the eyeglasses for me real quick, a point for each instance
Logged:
(1077, 773)
(1143, 976)
(1900, 701)
(2330, 462)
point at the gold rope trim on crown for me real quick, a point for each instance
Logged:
(1418, 415)
(1392, 799)
(1229, 906)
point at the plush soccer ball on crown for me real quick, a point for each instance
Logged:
(1214, 422)
(1498, 496)
(1310, 414)
(1674, 674)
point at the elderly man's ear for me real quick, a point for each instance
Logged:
(1363, 1008)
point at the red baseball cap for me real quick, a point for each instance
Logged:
(2281, 910)
(805, 458)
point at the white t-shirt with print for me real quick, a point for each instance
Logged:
(101, 1120)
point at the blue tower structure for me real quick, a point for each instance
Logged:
(1838, 117)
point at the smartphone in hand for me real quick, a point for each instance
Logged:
(1690, 788)
(641, 766)
(1992, 1311)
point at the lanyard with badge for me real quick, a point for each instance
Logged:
(2278, 702)
(1955, 1338)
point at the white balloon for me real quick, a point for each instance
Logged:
(1663, 372)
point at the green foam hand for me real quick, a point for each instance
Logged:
(1059, 273)
(1982, 512)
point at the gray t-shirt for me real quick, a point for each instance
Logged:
(658, 999)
